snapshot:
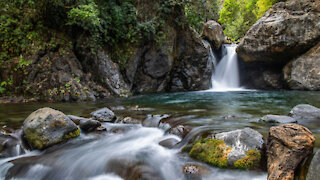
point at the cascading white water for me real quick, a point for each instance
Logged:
(226, 74)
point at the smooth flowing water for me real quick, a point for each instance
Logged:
(126, 150)
(226, 74)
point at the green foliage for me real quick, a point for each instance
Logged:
(264, 5)
(198, 12)
(237, 16)
(252, 159)
(211, 151)
(86, 16)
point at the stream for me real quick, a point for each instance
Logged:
(103, 156)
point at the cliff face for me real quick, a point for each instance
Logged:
(285, 32)
(169, 56)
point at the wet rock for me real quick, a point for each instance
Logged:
(46, 127)
(180, 130)
(133, 169)
(130, 120)
(305, 113)
(314, 168)
(288, 145)
(89, 125)
(101, 128)
(103, 115)
(194, 171)
(241, 141)
(278, 119)
(76, 119)
(213, 32)
(303, 73)
(286, 30)
(154, 120)
(169, 143)
(10, 146)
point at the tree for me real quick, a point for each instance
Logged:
(237, 16)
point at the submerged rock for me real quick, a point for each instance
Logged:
(194, 171)
(130, 120)
(314, 168)
(133, 169)
(169, 143)
(180, 130)
(286, 30)
(10, 146)
(46, 127)
(278, 119)
(213, 32)
(288, 145)
(303, 73)
(305, 113)
(104, 115)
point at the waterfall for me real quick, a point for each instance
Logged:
(226, 73)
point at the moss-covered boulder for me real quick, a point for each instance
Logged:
(211, 151)
(239, 149)
(46, 127)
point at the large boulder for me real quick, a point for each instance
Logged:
(303, 73)
(241, 141)
(288, 145)
(46, 127)
(213, 32)
(286, 30)
(238, 149)
(305, 113)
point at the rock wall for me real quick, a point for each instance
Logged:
(285, 32)
(178, 63)
(79, 69)
(303, 73)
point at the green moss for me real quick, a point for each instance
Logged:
(33, 139)
(73, 134)
(252, 159)
(211, 151)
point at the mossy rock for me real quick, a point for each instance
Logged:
(47, 127)
(251, 160)
(211, 151)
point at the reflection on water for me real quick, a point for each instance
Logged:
(226, 110)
